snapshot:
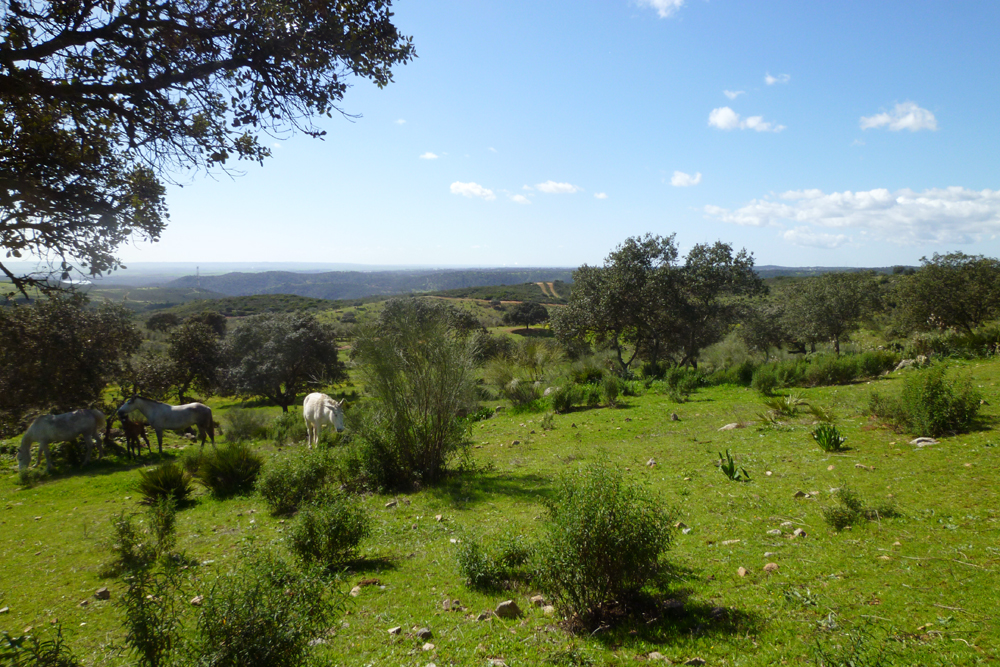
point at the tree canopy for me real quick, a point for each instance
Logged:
(950, 291)
(99, 101)
(526, 313)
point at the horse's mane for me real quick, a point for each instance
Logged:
(145, 398)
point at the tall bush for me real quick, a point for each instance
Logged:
(420, 375)
(930, 404)
(229, 470)
(289, 481)
(606, 537)
(328, 531)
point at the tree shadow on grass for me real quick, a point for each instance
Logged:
(367, 565)
(464, 490)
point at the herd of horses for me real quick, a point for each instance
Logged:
(318, 410)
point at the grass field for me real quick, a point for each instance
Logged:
(919, 589)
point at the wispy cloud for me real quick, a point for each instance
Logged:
(810, 237)
(665, 8)
(905, 116)
(904, 217)
(400, 121)
(781, 78)
(682, 180)
(472, 190)
(520, 199)
(601, 195)
(429, 156)
(733, 94)
(553, 188)
(725, 118)
(491, 149)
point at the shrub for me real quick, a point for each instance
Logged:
(606, 538)
(169, 480)
(330, 530)
(288, 482)
(764, 380)
(243, 425)
(828, 438)
(265, 612)
(496, 564)
(229, 470)
(611, 390)
(929, 404)
(563, 399)
(288, 427)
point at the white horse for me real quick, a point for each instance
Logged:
(174, 417)
(61, 428)
(318, 410)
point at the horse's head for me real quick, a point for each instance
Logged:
(127, 407)
(337, 407)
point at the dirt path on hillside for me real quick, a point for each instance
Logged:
(552, 288)
(547, 290)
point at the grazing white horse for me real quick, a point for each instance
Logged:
(174, 417)
(318, 410)
(61, 428)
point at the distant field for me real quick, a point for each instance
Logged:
(919, 589)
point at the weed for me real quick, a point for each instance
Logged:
(828, 438)
(548, 422)
(728, 467)
(495, 564)
(30, 651)
(853, 510)
(244, 425)
(857, 648)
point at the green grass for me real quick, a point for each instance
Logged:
(935, 592)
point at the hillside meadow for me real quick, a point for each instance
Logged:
(917, 589)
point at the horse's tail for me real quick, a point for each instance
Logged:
(210, 428)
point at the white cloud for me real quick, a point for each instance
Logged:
(400, 121)
(429, 156)
(682, 180)
(491, 149)
(472, 190)
(904, 217)
(725, 118)
(276, 145)
(520, 199)
(601, 195)
(781, 78)
(809, 237)
(527, 187)
(905, 116)
(553, 188)
(665, 8)
(733, 94)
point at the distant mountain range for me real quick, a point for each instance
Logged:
(358, 284)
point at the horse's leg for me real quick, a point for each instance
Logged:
(43, 448)
(100, 444)
(24, 453)
(159, 440)
(88, 446)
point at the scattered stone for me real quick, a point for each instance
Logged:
(768, 554)
(515, 442)
(830, 467)
(446, 605)
(923, 442)
(428, 646)
(103, 594)
(655, 655)
(681, 525)
(742, 571)
(391, 503)
(197, 600)
(650, 463)
(356, 591)
(787, 524)
(864, 467)
(483, 616)
(548, 610)
(687, 479)
(798, 532)
(801, 494)
(730, 427)
(424, 633)
(775, 531)
(771, 567)
(439, 518)
(496, 662)
(896, 544)
(767, 473)
(674, 417)
(695, 661)
(84, 603)
(726, 543)
(395, 631)
(507, 609)
(538, 600)
(4, 610)
(884, 558)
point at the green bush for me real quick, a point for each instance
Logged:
(495, 564)
(611, 390)
(169, 480)
(764, 380)
(243, 425)
(264, 613)
(289, 481)
(852, 510)
(229, 470)
(929, 404)
(328, 531)
(606, 537)
(564, 398)
(288, 428)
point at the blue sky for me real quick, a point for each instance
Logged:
(545, 133)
